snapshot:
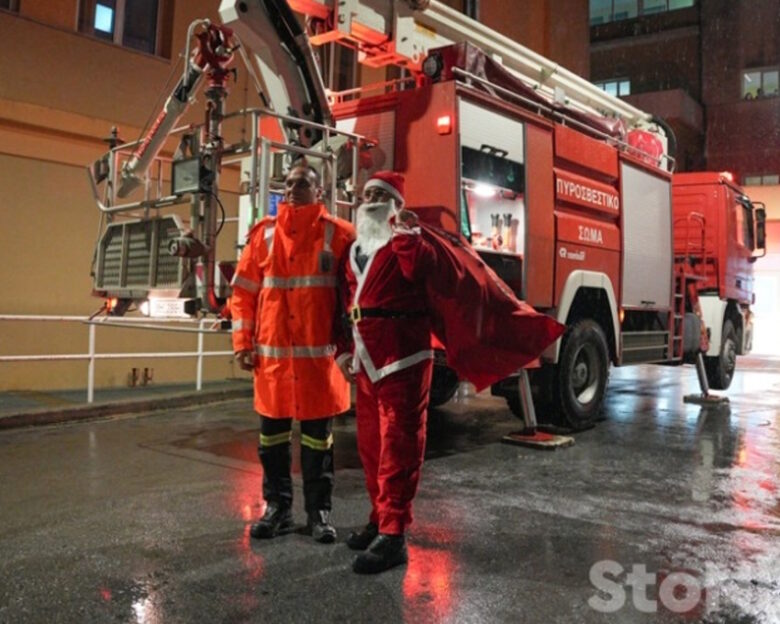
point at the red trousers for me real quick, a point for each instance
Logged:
(391, 417)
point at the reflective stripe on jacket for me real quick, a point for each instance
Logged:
(285, 308)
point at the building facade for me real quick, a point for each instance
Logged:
(709, 67)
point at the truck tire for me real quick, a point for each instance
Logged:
(580, 377)
(444, 384)
(720, 368)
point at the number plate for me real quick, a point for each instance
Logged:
(167, 308)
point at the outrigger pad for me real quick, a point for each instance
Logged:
(705, 399)
(538, 439)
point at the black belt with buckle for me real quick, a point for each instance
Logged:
(356, 314)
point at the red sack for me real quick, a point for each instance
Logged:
(489, 334)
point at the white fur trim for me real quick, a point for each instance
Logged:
(376, 182)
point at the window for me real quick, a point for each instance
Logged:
(600, 11)
(603, 11)
(623, 9)
(338, 65)
(654, 6)
(767, 179)
(745, 225)
(131, 23)
(760, 83)
(617, 87)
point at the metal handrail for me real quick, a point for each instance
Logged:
(388, 86)
(91, 356)
(256, 114)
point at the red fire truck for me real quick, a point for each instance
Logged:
(564, 191)
(721, 233)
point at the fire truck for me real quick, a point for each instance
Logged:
(566, 192)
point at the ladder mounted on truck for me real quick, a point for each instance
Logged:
(403, 33)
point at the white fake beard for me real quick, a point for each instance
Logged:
(373, 226)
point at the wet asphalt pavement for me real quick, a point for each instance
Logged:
(145, 519)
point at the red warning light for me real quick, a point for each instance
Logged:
(111, 304)
(444, 124)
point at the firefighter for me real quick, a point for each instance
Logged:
(286, 325)
(392, 363)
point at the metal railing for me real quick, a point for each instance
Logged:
(198, 327)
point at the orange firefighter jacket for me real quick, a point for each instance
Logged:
(285, 307)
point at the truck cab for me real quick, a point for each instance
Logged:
(721, 232)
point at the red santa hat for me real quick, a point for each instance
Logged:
(389, 181)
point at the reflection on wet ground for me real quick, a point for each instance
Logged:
(663, 512)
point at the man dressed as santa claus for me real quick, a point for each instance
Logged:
(385, 283)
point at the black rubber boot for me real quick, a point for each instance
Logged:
(275, 521)
(276, 460)
(385, 552)
(360, 540)
(317, 469)
(320, 527)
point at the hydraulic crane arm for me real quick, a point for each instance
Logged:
(213, 55)
(284, 56)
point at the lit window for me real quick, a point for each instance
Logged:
(760, 83)
(131, 23)
(679, 4)
(104, 18)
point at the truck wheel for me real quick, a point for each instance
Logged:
(580, 378)
(444, 384)
(720, 369)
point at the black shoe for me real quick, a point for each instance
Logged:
(362, 540)
(385, 552)
(276, 519)
(321, 529)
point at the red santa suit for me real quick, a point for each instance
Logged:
(393, 360)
